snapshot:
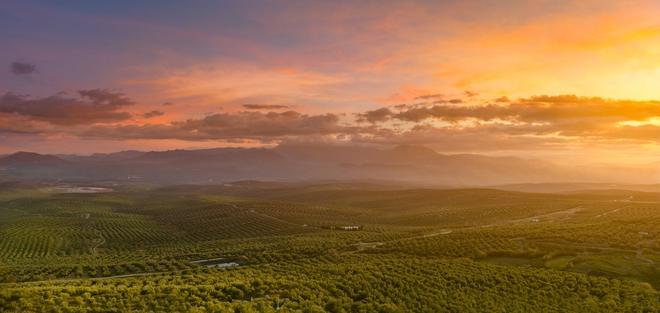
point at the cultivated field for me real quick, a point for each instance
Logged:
(254, 247)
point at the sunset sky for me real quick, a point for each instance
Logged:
(573, 80)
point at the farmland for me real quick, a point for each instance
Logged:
(149, 248)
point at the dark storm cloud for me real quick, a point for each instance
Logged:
(21, 68)
(88, 107)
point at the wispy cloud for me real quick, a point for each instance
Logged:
(265, 127)
(265, 106)
(87, 107)
(454, 74)
(154, 113)
(526, 123)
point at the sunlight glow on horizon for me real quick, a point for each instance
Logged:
(306, 75)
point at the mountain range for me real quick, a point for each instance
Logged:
(407, 163)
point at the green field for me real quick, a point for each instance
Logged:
(281, 247)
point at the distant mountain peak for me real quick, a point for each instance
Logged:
(23, 157)
(405, 163)
(25, 153)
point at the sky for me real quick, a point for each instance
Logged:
(562, 80)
